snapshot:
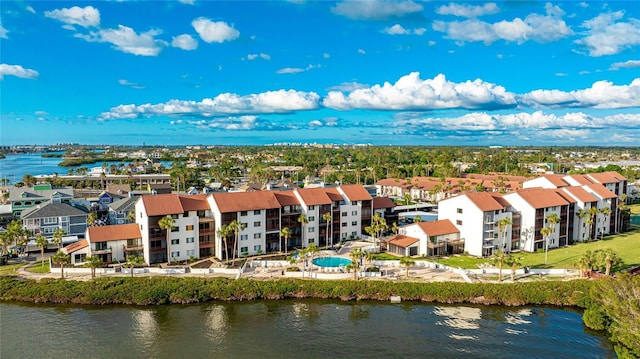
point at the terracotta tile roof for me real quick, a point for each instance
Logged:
(600, 190)
(116, 232)
(438, 228)
(382, 202)
(196, 202)
(542, 198)
(314, 196)
(488, 201)
(74, 247)
(580, 194)
(607, 177)
(391, 182)
(286, 198)
(333, 194)
(556, 180)
(402, 240)
(231, 202)
(162, 204)
(495, 176)
(356, 192)
(567, 197)
(581, 179)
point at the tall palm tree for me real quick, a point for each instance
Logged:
(355, 256)
(166, 223)
(609, 258)
(57, 236)
(605, 212)
(369, 256)
(223, 233)
(236, 227)
(498, 258)
(93, 262)
(546, 233)
(327, 219)
(61, 258)
(5, 242)
(582, 214)
(303, 220)
(593, 213)
(132, 261)
(41, 242)
(286, 233)
(503, 223)
(312, 250)
(407, 262)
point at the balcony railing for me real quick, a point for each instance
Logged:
(101, 250)
(133, 248)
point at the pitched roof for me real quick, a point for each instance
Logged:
(16, 194)
(607, 177)
(50, 209)
(125, 204)
(580, 194)
(314, 196)
(556, 180)
(356, 192)
(119, 188)
(162, 204)
(401, 240)
(488, 201)
(438, 228)
(76, 246)
(196, 202)
(286, 198)
(565, 195)
(383, 202)
(116, 232)
(581, 179)
(229, 202)
(333, 194)
(542, 198)
(600, 190)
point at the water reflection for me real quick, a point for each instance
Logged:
(459, 317)
(145, 330)
(214, 320)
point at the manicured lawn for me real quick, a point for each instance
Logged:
(10, 268)
(627, 246)
(39, 268)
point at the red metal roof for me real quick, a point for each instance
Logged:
(438, 228)
(117, 232)
(162, 204)
(314, 196)
(356, 192)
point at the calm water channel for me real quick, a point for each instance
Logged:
(295, 329)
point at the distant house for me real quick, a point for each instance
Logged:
(119, 210)
(24, 197)
(47, 218)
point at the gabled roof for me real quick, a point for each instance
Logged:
(125, 204)
(286, 198)
(438, 228)
(607, 177)
(401, 240)
(581, 179)
(15, 194)
(383, 202)
(50, 209)
(196, 202)
(566, 196)
(162, 204)
(333, 194)
(488, 201)
(542, 198)
(356, 192)
(120, 188)
(117, 232)
(600, 190)
(230, 202)
(76, 246)
(580, 194)
(556, 180)
(314, 196)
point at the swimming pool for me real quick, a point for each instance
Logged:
(331, 262)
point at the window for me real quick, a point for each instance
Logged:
(174, 216)
(244, 237)
(257, 235)
(175, 241)
(175, 254)
(344, 224)
(354, 213)
(189, 227)
(354, 233)
(353, 203)
(185, 214)
(459, 222)
(191, 253)
(190, 240)
(80, 257)
(175, 229)
(344, 214)
(459, 210)
(244, 249)
(312, 229)
(51, 220)
(311, 208)
(243, 213)
(257, 247)
(354, 223)
(256, 212)
(256, 224)
(312, 218)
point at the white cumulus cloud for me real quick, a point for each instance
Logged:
(125, 39)
(214, 31)
(398, 29)
(411, 92)
(281, 101)
(608, 36)
(375, 9)
(87, 16)
(602, 94)
(296, 70)
(629, 64)
(184, 42)
(17, 71)
(261, 55)
(468, 10)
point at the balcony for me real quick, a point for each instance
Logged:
(101, 250)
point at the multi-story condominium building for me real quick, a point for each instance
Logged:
(584, 201)
(384, 206)
(478, 218)
(45, 219)
(434, 238)
(23, 198)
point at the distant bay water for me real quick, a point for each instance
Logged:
(296, 329)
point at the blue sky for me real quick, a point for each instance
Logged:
(263, 72)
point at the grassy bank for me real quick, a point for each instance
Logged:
(155, 290)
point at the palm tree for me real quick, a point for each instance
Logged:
(311, 251)
(91, 219)
(303, 220)
(166, 223)
(498, 258)
(582, 214)
(223, 233)
(609, 258)
(286, 233)
(131, 216)
(417, 219)
(5, 241)
(513, 262)
(369, 256)
(93, 262)
(503, 223)
(235, 227)
(57, 236)
(606, 211)
(407, 262)
(327, 218)
(593, 213)
(41, 242)
(61, 258)
(355, 255)
(132, 261)
(586, 263)
(546, 232)
(622, 206)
